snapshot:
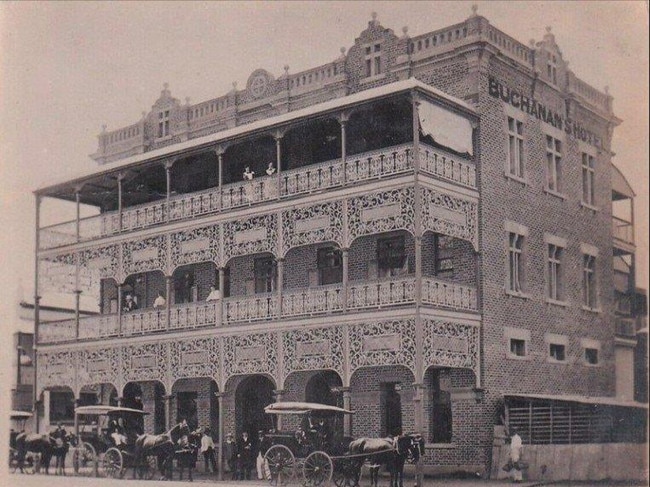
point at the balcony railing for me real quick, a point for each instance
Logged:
(359, 167)
(260, 307)
(623, 230)
(448, 295)
(625, 327)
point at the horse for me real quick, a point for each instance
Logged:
(60, 451)
(186, 453)
(162, 445)
(390, 452)
(42, 444)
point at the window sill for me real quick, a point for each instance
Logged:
(440, 446)
(551, 360)
(589, 207)
(554, 302)
(551, 192)
(516, 178)
(162, 139)
(516, 294)
(370, 79)
(587, 364)
(591, 310)
(524, 358)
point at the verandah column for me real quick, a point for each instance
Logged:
(278, 136)
(343, 120)
(168, 301)
(168, 167)
(345, 252)
(219, 396)
(347, 418)
(120, 177)
(220, 151)
(219, 303)
(168, 411)
(418, 403)
(37, 306)
(280, 285)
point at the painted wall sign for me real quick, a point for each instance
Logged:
(541, 112)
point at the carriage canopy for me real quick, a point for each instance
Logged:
(291, 407)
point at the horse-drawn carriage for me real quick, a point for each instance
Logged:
(30, 463)
(317, 449)
(106, 437)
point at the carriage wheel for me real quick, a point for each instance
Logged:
(148, 467)
(317, 469)
(113, 463)
(279, 465)
(84, 457)
(345, 472)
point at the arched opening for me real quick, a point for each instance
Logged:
(139, 291)
(194, 173)
(191, 283)
(60, 401)
(320, 388)
(383, 124)
(148, 396)
(253, 394)
(103, 393)
(257, 153)
(194, 400)
(310, 143)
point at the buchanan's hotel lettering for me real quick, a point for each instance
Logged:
(535, 109)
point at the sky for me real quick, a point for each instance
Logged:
(67, 68)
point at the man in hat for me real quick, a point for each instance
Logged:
(229, 455)
(245, 457)
(207, 449)
(130, 304)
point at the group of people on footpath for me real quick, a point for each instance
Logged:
(243, 456)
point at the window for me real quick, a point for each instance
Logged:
(517, 341)
(591, 356)
(264, 270)
(515, 262)
(551, 68)
(444, 248)
(330, 267)
(588, 176)
(553, 164)
(589, 281)
(518, 347)
(373, 60)
(163, 123)
(391, 257)
(591, 351)
(515, 147)
(441, 407)
(554, 272)
(557, 352)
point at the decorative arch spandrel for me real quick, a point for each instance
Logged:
(149, 254)
(195, 245)
(312, 224)
(449, 344)
(450, 215)
(313, 349)
(391, 342)
(251, 354)
(190, 358)
(57, 369)
(251, 236)
(98, 365)
(146, 361)
(383, 211)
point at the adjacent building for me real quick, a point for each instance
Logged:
(422, 230)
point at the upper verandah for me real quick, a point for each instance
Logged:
(60, 188)
(377, 57)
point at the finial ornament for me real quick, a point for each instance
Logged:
(165, 86)
(234, 85)
(548, 29)
(374, 16)
(343, 51)
(286, 68)
(405, 30)
(474, 10)
(104, 128)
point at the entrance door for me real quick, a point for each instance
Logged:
(252, 396)
(391, 409)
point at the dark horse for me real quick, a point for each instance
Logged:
(46, 446)
(185, 455)
(390, 452)
(163, 446)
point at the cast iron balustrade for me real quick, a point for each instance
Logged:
(375, 294)
(623, 230)
(357, 168)
(193, 315)
(316, 300)
(250, 308)
(98, 326)
(313, 301)
(448, 295)
(145, 321)
(446, 166)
